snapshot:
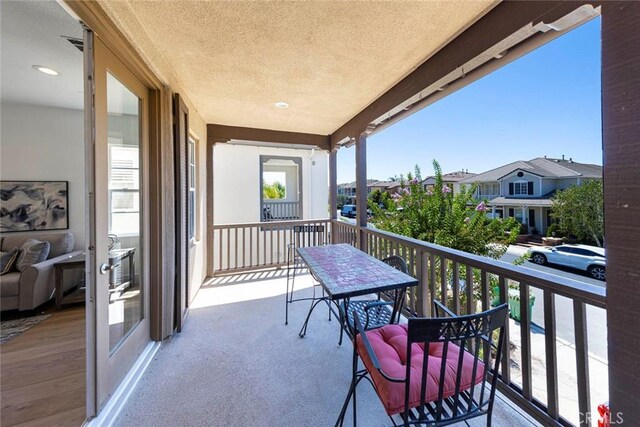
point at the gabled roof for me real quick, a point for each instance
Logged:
(384, 184)
(543, 167)
(452, 176)
(370, 183)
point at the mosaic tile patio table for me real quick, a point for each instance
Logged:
(345, 272)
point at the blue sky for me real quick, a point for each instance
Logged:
(545, 103)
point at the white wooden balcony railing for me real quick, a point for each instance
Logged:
(252, 246)
(486, 196)
(280, 211)
(466, 282)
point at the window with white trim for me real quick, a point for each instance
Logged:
(521, 188)
(191, 182)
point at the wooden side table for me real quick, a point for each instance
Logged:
(74, 262)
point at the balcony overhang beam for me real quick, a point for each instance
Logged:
(222, 133)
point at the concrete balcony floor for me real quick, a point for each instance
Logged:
(236, 363)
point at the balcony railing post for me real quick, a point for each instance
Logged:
(361, 189)
(423, 306)
(525, 340)
(582, 361)
(551, 354)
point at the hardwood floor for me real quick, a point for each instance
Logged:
(42, 373)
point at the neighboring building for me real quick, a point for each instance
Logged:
(379, 185)
(523, 189)
(349, 189)
(451, 179)
(394, 187)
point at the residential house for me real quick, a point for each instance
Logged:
(161, 115)
(523, 189)
(349, 189)
(451, 179)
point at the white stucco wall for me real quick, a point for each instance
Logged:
(46, 144)
(236, 170)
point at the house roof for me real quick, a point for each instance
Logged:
(451, 177)
(370, 183)
(524, 201)
(382, 184)
(506, 201)
(543, 167)
(235, 60)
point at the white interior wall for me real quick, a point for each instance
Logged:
(46, 144)
(236, 170)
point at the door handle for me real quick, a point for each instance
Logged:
(105, 268)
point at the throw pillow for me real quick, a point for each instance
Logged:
(32, 252)
(7, 259)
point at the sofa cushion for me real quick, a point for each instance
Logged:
(10, 284)
(32, 252)
(7, 261)
(389, 343)
(61, 243)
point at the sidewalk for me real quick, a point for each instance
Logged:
(567, 372)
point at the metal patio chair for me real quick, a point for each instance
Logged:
(302, 236)
(431, 371)
(380, 312)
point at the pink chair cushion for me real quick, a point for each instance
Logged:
(389, 343)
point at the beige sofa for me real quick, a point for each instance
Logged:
(36, 284)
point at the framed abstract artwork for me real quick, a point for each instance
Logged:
(34, 205)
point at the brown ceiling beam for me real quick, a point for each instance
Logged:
(499, 23)
(221, 133)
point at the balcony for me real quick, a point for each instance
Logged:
(236, 364)
(489, 197)
(547, 370)
(280, 211)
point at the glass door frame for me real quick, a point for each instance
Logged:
(111, 367)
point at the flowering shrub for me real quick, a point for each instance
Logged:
(440, 216)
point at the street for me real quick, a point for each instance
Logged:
(596, 317)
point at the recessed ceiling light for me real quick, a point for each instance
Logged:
(46, 70)
(282, 104)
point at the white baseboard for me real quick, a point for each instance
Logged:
(111, 410)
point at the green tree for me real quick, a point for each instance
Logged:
(380, 198)
(342, 200)
(579, 211)
(273, 191)
(439, 216)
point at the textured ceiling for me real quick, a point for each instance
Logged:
(31, 35)
(328, 60)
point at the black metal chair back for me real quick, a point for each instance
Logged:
(466, 351)
(308, 235)
(302, 236)
(400, 264)
(479, 335)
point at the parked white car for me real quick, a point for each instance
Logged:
(582, 257)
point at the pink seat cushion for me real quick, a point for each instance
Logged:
(390, 346)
